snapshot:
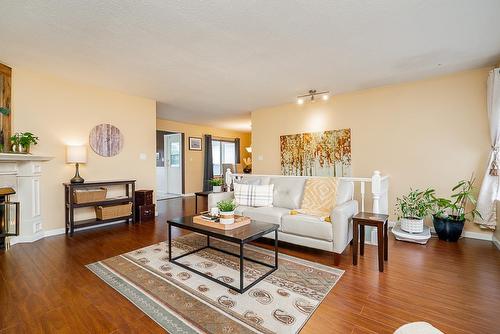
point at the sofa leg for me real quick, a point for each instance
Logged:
(336, 259)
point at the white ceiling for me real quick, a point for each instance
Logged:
(214, 61)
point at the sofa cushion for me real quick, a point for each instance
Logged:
(253, 195)
(253, 179)
(307, 226)
(345, 191)
(288, 191)
(267, 214)
(319, 196)
(241, 209)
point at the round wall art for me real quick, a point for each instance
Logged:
(106, 140)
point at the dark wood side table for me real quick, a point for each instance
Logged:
(380, 221)
(201, 194)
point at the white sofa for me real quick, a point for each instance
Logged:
(300, 229)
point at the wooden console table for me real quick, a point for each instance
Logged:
(70, 205)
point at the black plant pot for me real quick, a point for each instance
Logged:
(449, 228)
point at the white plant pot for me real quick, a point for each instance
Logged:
(217, 189)
(412, 225)
(227, 217)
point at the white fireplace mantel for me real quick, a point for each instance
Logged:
(23, 157)
(22, 172)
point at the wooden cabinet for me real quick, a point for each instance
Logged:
(143, 197)
(145, 209)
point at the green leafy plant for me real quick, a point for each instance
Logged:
(216, 182)
(27, 139)
(460, 200)
(417, 204)
(24, 139)
(226, 205)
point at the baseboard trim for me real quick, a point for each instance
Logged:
(496, 242)
(480, 236)
(488, 236)
(27, 238)
(53, 232)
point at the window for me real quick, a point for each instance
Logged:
(223, 152)
(175, 154)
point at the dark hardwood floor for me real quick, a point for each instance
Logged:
(45, 288)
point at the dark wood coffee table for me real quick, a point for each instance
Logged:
(240, 236)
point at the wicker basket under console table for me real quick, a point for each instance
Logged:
(70, 204)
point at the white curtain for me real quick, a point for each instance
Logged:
(489, 188)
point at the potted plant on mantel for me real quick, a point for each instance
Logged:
(411, 209)
(216, 185)
(450, 214)
(22, 141)
(226, 211)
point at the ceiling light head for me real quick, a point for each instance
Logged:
(312, 96)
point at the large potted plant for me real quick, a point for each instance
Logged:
(412, 208)
(226, 211)
(450, 214)
(216, 185)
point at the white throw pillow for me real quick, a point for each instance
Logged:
(253, 195)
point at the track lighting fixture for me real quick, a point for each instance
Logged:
(312, 95)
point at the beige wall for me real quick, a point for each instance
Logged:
(61, 112)
(425, 133)
(194, 159)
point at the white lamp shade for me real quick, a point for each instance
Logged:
(249, 149)
(76, 154)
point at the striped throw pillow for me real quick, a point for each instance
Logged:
(253, 195)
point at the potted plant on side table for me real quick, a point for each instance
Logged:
(450, 214)
(226, 211)
(411, 209)
(216, 185)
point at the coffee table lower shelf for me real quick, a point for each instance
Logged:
(241, 256)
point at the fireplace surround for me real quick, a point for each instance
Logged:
(22, 173)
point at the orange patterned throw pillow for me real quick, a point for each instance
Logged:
(319, 198)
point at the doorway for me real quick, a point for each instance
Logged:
(169, 164)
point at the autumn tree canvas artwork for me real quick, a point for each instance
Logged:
(326, 153)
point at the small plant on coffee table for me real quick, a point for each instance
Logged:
(226, 205)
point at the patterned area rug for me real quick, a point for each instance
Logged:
(183, 302)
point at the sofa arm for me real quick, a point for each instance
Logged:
(342, 224)
(214, 198)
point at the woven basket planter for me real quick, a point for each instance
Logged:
(412, 225)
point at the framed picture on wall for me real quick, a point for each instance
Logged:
(195, 143)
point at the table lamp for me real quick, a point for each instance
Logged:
(76, 155)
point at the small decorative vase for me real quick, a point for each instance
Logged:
(217, 189)
(214, 211)
(412, 224)
(226, 218)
